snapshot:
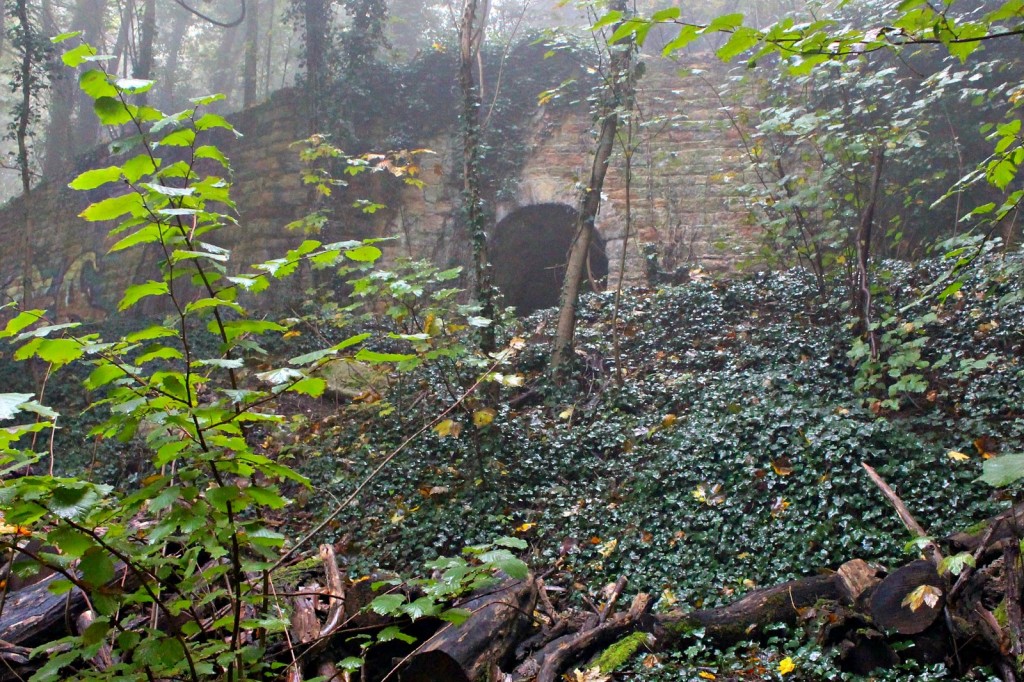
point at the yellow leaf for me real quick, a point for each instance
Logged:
(522, 528)
(608, 548)
(668, 598)
(923, 595)
(786, 666)
(700, 493)
(432, 325)
(482, 418)
(566, 413)
(957, 456)
(291, 335)
(668, 420)
(705, 675)
(448, 427)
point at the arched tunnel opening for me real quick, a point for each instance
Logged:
(529, 249)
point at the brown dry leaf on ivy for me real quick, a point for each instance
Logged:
(986, 446)
(923, 595)
(592, 675)
(668, 420)
(782, 466)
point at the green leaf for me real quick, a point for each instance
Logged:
(311, 386)
(59, 351)
(149, 234)
(139, 166)
(739, 42)
(209, 120)
(112, 208)
(365, 355)
(95, 84)
(276, 377)
(10, 402)
(133, 86)
(112, 111)
(179, 138)
(363, 254)
(455, 616)
(96, 567)
(613, 17)
(91, 179)
(74, 501)
(393, 632)
(1001, 471)
(387, 604)
(22, 320)
(210, 152)
(65, 36)
(76, 55)
(504, 560)
(137, 292)
(514, 543)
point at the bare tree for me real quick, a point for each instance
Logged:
(616, 92)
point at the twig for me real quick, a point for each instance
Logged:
(613, 596)
(901, 510)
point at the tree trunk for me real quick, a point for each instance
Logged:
(470, 38)
(252, 54)
(617, 91)
(178, 27)
(316, 15)
(867, 220)
(147, 34)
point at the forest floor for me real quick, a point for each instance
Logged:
(718, 451)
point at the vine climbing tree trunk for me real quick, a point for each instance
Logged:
(617, 90)
(471, 32)
(864, 230)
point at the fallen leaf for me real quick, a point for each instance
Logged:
(482, 418)
(782, 466)
(923, 595)
(448, 427)
(786, 666)
(957, 456)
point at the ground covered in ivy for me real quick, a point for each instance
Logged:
(729, 458)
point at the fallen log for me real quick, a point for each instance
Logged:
(778, 604)
(500, 619)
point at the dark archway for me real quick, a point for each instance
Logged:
(528, 251)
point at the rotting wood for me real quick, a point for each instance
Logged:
(500, 619)
(888, 609)
(565, 651)
(777, 604)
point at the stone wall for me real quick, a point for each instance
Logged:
(687, 166)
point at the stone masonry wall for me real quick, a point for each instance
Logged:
(687, 166)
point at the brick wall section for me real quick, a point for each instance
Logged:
(684, 197)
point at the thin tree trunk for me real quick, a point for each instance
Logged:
(58, 148)
(268, 60)
(867, 220)
(178, 27)
(252, 54)
(470, 38)
(617, 91)
(147, 34)
(21, 136)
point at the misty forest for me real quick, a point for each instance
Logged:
(511, 340)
